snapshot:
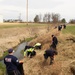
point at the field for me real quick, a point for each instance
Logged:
(2, 69)
(12, 34)
(69, 29)
(65, 60)
(14, 25)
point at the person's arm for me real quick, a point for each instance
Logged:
(21, 61)
(4, 61)
(25, 53)
(25, 48)
(55, 52)
(15, 61)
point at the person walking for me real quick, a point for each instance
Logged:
(50, 53)
(12, 63)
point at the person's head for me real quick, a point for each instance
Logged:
(52, 35)
(10, 51)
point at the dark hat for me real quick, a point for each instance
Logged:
(10, 50)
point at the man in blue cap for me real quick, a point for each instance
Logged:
(12, 63)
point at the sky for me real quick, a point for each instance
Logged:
(12, 9)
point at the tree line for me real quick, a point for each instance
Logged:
(49, 18)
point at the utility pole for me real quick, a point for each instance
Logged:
(27, 12)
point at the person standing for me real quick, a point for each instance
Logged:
(54, 41)
(59, 27)
(64, 26)
(12, 63)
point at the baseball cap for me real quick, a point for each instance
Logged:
(10, 50)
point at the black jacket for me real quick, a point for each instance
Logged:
(55, 40)
(50, 52)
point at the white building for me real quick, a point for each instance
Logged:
(1, 19)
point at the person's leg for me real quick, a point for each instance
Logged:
(40, 47)
(51, 60)
(45, 59)
(54, 46)
(28, 53)
(10, 73)
(33, 53)
(16, 72)
(37, 47)
(45, 56)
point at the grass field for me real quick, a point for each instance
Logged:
(69, 29)
(14, 25)
(2, 69)
(14, 30)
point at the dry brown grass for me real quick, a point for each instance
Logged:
(11, 37)
(63, 61)
(37, 66)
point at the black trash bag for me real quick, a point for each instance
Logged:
(20, 68)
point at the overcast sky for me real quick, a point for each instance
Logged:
(11, 9)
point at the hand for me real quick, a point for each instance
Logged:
(21, 61)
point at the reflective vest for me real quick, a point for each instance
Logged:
(28, 50)
(37, 44)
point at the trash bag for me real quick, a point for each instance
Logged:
(20, 68)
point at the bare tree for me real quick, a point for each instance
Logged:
(55, 18)
(72, 21)
(46, 17)
(49, 17)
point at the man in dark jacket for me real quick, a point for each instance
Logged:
(50, 53)
(54, 41)
(12, 63)
(64, 26)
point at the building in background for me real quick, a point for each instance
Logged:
(1, 19)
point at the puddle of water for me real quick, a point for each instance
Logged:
(19, 49)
